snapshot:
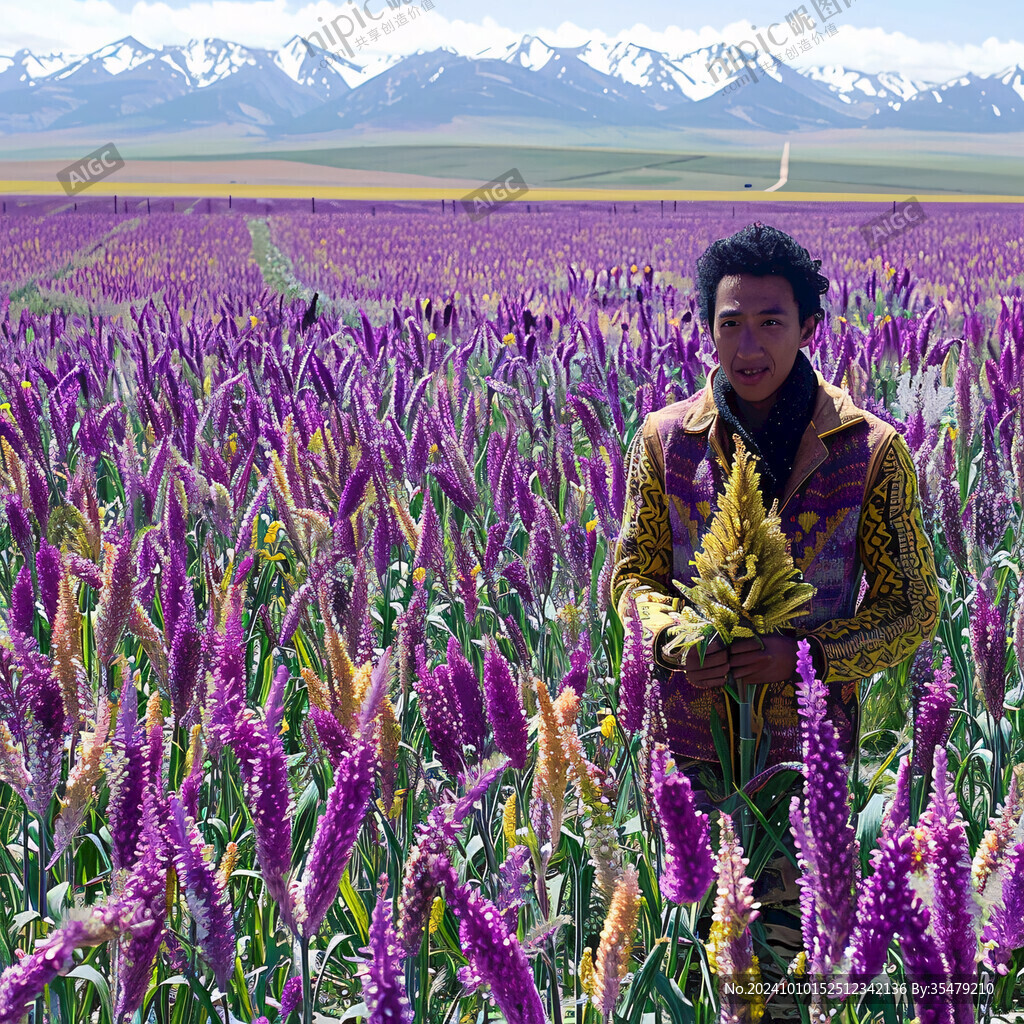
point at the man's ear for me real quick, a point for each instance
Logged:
(807, 330)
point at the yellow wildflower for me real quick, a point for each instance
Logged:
(798, 968)
(508, 822)
(154, 710)
(193, 747)
(608, 727)
(586, 971)
(419, 574)
(436, 914)
(254, 320)
(227, 863)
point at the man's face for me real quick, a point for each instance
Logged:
(758, 334)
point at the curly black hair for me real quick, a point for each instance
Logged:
(760, 249)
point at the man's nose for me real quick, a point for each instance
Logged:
(749, 344)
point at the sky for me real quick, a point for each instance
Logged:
(932, 40)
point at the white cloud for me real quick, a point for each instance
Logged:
(80, 26)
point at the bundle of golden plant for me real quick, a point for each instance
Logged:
(747, 584)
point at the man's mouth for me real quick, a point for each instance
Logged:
(752, 376)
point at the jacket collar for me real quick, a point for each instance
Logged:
(833, 410)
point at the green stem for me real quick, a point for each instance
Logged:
(43, 873)
(674, 938)
(746, 759)
(307, 992)
(26, 889)
(997, 764)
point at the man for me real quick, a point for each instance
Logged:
(847, 496)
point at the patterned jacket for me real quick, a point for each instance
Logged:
(850, 510)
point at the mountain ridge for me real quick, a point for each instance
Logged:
(303, 89)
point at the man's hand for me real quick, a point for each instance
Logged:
(747, 659)
(772, 663)
(714, 670)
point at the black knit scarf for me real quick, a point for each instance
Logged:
(776, 442)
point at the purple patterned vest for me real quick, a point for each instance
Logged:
(820, 512)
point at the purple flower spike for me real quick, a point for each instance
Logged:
(467, 691)
(988, 644)
(261, 761)
(126, 776)
(23, 982)
(48, 571)
(440, 712)
(541, 552)
(954, 909)
(925, 964)
(383, 973)
(335, 836)
(291, 997)
(897, 814)
(884, 905)
(207, 899)
(435, 836)
(933, 719)
(116, 597)
(495, 956)
(41, 707)
(505, 707)
(825, 838)
(689, 861)
(635, 671)
(21, 529)
(579, 662)
(515, 574)
(735, 910)
(23, 609)
(515, 882)
(1004, 932)
(144, 898)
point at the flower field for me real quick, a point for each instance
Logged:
(315, 704)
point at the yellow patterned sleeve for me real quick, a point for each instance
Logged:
(900, 609)
(643, 554)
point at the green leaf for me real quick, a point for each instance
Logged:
(356, 907)
(19, 921)
(643, 983)
(88, 973)
(198, 990)
(680, 1009)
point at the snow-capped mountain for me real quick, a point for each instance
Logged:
(302, 89)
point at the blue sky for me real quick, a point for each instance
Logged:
(923, 19)
(935, 40)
